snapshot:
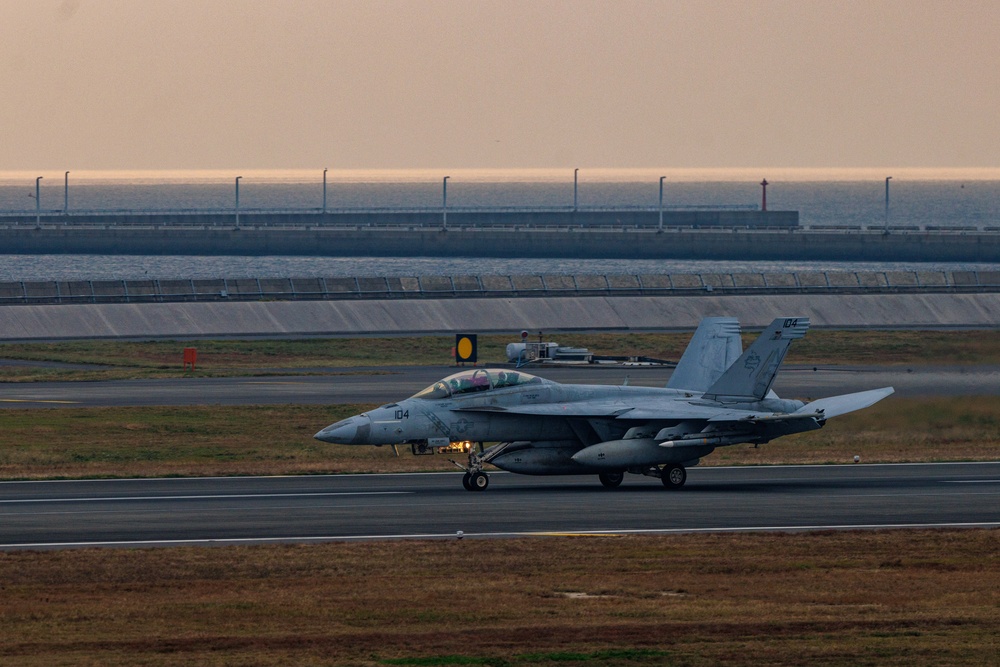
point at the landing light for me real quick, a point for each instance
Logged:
(464, 446)
(430, 448)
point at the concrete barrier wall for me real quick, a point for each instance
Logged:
(457, 217)
(444, 316)
(626, 242)
(424, 287)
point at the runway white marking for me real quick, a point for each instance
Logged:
(220, 496)
(440, 536)
(971, 481)
(290, 382)
(699, 469)
(215, 478)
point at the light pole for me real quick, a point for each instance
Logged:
(66, 195)
(444, 203)
(38, 202)
(660, 228)
(238, 201)
(575, 188)
(324, 192)
(887, 179)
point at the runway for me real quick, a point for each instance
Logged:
(161, 512)
(381, 385)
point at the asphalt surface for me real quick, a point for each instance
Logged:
(160, 512)
(387, 384)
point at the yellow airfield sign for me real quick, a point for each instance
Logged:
(465, 348)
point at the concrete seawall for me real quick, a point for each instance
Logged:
(486, 315)
(429, 218)
(623, 242)
(495, 286)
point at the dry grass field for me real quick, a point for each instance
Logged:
(215, 440)
(869, 598)
(265, 440)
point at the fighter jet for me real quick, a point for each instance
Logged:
(717, 396)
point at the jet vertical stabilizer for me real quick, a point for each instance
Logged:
(715, 346)
(750, 378)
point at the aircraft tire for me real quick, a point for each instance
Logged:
(466, 483)
(673, 476)
(479, 481)
(611, 480)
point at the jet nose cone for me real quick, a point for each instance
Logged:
(343, 432)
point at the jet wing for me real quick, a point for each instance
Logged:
(569, 409)
(821, 409)
(670, 409)
(684, 410)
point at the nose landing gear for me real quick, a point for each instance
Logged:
(474, 478)
(477, 481)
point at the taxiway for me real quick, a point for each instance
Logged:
(386, 384)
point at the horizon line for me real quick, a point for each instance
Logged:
(54, 177)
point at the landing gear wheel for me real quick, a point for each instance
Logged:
(465, 481)
(611, 480)
(674, 476)
(478, 481)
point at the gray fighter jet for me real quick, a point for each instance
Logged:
(718, 395)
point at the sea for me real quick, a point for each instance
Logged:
(946, 198)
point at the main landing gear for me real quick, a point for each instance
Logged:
(673, 475)
(611, 480)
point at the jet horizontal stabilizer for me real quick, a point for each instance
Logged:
(835, 406)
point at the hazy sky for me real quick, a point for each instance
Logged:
(210, 84)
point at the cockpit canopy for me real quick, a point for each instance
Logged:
(479, 379)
